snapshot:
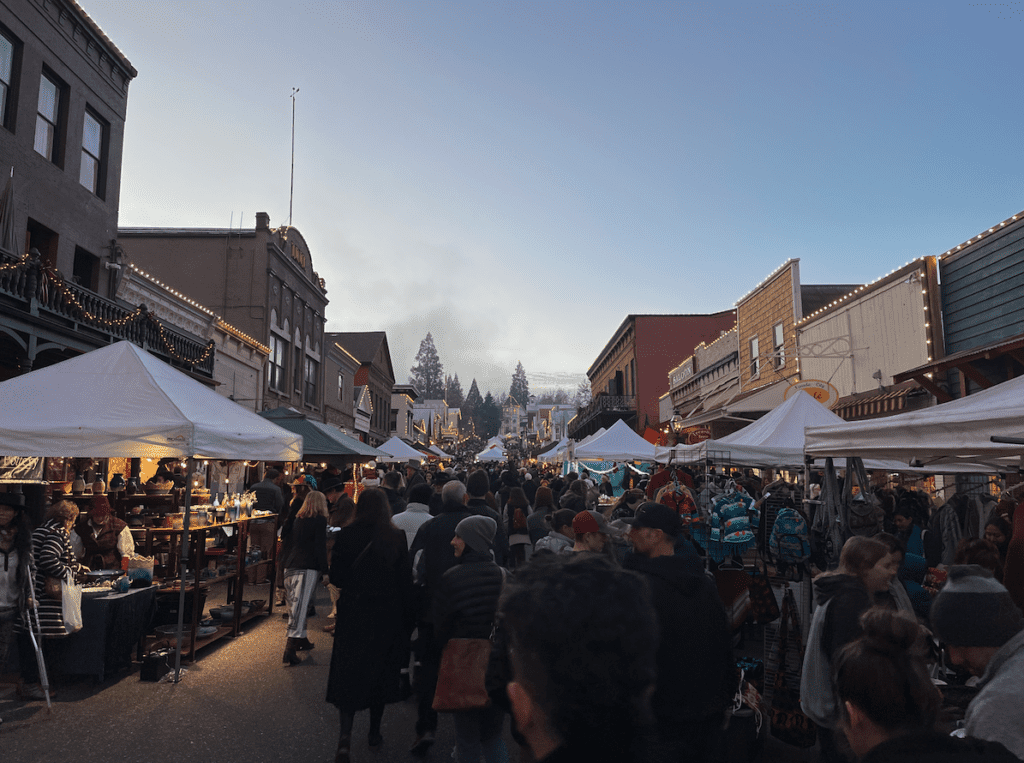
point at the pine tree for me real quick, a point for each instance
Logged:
(520, 389)
(471, 408)
(453, 391)
(490, 416)
(583, 395)
(428, 373)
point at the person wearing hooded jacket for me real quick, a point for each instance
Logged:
(694, 658)
(464, 606)
(865, 568)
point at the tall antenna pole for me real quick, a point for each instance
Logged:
(291, 192)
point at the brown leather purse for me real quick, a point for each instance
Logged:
(52, 589)
(461, 679)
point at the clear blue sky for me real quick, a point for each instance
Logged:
(516, 177)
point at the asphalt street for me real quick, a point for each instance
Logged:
(236, 703)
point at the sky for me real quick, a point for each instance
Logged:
(518, 177)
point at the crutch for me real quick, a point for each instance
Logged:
(37, 644)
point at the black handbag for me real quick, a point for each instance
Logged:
(764, 607)
(789, 723)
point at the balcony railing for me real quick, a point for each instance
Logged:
(42, 291)
(611, 405)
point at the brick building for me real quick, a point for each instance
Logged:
(376, 374)
(260, 280)
(631, 372)
(63, 100)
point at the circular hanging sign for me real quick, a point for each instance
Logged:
(821, 391)
(693, 435)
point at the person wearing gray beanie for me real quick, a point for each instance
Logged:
(983, 630)
(477, 533)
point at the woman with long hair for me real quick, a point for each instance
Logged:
(537, 523)
(517, 512)
(888, 704)
(370, 566)
(866, 567)
(304, 564)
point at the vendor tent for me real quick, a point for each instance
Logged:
(320, 441)
(494, 454)
(554, 452)
(775, 440)
(438, 452)
(620, 443)
(956, 433)
(495, 441)
(120, 401)
(397, 450)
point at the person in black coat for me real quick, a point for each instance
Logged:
(433, 555)
(695, 664)
(476, 488)
(370, 566)
(304, 564)
(464, 607)
(390, 485)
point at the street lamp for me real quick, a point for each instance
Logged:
(677, 424)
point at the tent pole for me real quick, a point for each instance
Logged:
(190, 468)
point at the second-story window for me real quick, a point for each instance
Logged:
(341, 387)
(779, 345)
(277, 359)
(92, 174)
(6, 75)
(48, 119)
(312, 371)
(755, 358)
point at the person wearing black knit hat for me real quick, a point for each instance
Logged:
(983, 630)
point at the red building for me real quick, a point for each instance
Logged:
(631, 372)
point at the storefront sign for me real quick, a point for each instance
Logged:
(821, 391)
(21, 469)
(693, 435)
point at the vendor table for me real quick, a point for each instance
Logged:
(112, 625)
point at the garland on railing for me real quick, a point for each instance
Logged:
(15, 265)
(54, 275)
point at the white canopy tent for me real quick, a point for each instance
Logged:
(591, 437)
(494, 441)
(957, 433)
(121, 402)
(557, 453)
(398, 450)
(494, 454)
(775, 440)
(438, 452)
(620, 443)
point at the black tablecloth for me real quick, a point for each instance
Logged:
(112, 627)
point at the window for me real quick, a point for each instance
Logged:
(86, 270)
(312, 371)
(341, 387)
(94, 155)
(779, 345)
(394, 421)
(7, 49)
(49, 118)
(275, 366)
(755, 358)
(297, 370)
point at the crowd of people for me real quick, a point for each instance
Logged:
(608, 638)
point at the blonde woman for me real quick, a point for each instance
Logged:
(304, 563)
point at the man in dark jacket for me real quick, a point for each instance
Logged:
(434, 540)
(413, 476)
(477, 485)
(390, 485)
(695, 664)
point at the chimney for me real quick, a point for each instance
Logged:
(262, 221)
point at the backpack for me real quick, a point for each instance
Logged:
(519, 519)
(790, 539)
(863, 514)
(817, 696)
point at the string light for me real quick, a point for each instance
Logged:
(20, 263)
(979, 236)
(919, 261)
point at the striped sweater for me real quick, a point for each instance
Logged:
(54, 558)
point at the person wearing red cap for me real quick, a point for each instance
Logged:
(103, 539)
(592, 531)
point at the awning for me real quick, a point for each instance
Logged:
(1011, 347)
(320, 441)
(868, 405)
